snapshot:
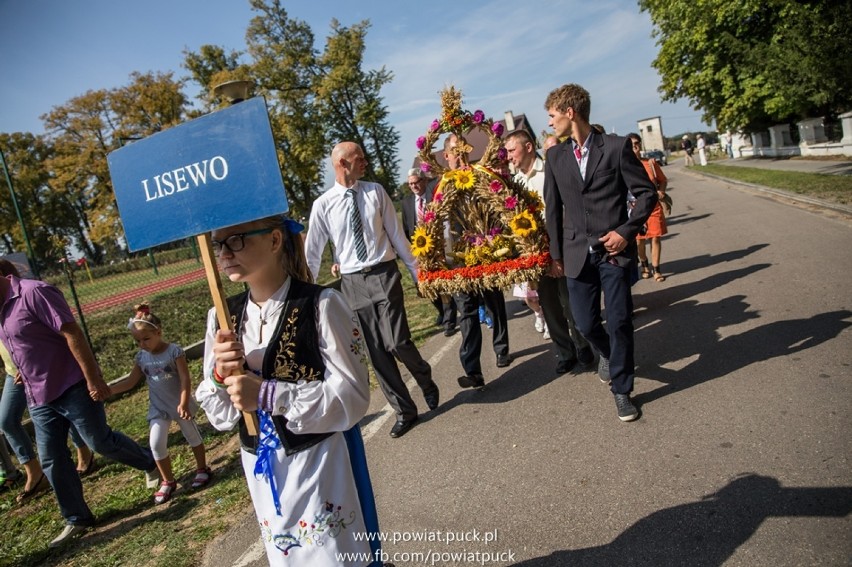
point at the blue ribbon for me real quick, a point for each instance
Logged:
(293, 226)
(268, 444)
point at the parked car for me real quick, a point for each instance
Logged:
(658, 155)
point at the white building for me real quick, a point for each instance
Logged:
(651, 132)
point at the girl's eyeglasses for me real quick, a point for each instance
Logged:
(236, 242)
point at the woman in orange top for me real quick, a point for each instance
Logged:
(656, 223)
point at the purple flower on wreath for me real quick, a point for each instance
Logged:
(438, 197)
(502, 153)
(494, 231)
(497, 128)
(435, 126)
(495, 185)
(421, 142)
(425, 167)
(511, 202)
(429, 216)
(478, 117)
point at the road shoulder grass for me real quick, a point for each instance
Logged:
(835, 189)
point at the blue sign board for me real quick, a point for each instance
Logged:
(215, 171)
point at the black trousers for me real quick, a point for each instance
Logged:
(616, 341)
(471, 346)
(553, 297)
(446, 311)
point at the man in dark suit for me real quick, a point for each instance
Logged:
(413, 207)
(592, 239)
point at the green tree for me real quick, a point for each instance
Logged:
(351, 103)
(204, 66)
(315, 99)
(46, 213)
(84, 130)
(754, 63)
(285, 67)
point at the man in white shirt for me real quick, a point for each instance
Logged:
(552, 291)
(367, 241)
(701, 144)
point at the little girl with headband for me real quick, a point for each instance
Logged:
(169, 392)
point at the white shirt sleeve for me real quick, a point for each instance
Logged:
(316, 239)
(340, 400)
(214, 400)
(393, 229)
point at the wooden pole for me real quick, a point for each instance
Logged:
(222, 314)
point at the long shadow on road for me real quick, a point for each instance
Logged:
(698, 337)
(708, 532)
(672, 327)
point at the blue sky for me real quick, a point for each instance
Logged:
(503, 54)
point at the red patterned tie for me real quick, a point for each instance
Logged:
(420, 208)
(578, 153)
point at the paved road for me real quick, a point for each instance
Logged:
(741, 456)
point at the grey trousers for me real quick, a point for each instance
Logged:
(376, 297)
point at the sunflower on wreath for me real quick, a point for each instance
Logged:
(482, 229)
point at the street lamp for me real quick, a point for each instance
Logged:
(233, 91)
(32, 257)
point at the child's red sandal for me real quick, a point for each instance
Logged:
(202, 478)
(165, 493)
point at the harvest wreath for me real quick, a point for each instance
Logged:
(482, 229)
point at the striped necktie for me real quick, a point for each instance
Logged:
(419, 208)
(356, 226)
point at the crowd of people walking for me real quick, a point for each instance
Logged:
(298, 353)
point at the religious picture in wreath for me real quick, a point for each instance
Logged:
(482, 229)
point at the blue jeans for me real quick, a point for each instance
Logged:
(52, 421)
(13, 402)
(614, 343)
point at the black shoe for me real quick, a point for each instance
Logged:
(603, 370)
(400, 428)
(504, 360)
(565, 366)
(450, 331)
(472, 381)
(626, 410)
(432, 397)
(585, 357)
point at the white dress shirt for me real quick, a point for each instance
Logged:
(535, 180)
(383, 232)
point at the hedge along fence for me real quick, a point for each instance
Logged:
(178, 294)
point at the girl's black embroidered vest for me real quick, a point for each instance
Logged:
(291, 355)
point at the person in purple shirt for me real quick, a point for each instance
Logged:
(61, 377)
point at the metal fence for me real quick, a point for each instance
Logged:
(103, 298)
